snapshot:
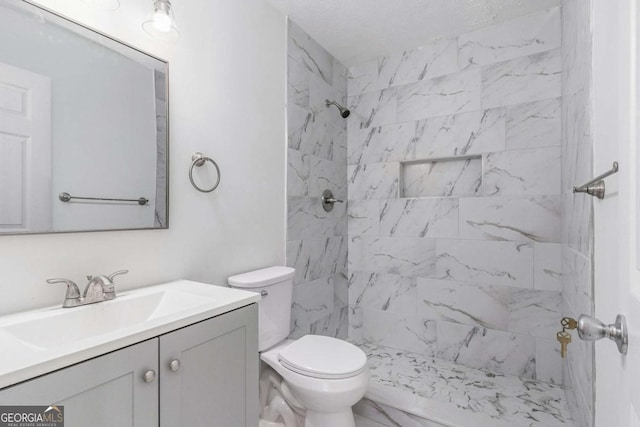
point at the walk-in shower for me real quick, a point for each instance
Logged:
(452, 233)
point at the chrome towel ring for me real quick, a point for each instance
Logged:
(198, 159)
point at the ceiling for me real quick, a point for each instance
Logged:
(356, 30)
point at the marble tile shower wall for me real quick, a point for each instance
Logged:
(470, 270)
(577, 167)
(317, 160)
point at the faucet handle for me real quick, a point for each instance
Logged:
(108, 285)
(117, 273)
(72, 297)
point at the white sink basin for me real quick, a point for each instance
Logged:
(64, 326)
(40, 341)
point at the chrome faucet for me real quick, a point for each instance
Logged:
(100, 288)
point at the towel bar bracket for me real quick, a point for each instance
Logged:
(596, 186)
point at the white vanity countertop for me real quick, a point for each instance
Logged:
(40, 341)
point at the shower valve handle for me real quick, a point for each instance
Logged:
(332, 200)
(328, 200)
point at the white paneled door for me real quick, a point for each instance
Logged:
(25, 150)
(616, 246)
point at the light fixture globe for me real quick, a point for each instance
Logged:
(161, 23)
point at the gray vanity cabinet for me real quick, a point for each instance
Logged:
(209, 372)
(103, 392)
(205, 374)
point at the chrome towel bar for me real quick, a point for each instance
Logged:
(66, 197)
(596, 186)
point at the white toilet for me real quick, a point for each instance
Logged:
(322, 375)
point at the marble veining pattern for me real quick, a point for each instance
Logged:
(419, 218)
(298, 171)
(456, 393)
(520, 80)
(316, 160)
(434, 59)
(470, 133)
(508, 309)
(306, 219)
(363, 217)
(522, 172)
(340, 78)
(363, 78)
(373, 181)
(399, 255)
(356, 334)
(529, 219)
(535, 312)
(341, 289)
(378, 144)
(547, 273)
(317, 258)
(297, 83)
(409, 333)
(354, 247)
(431, 60)
(467, 303)
(547, 355)
(385, 292)
(304, 50)
(372, 109)
(312, 300)
(446, 136)
(325, 174)
(482, 348)
(333, 325)
(533, 33)
(311, 134)
(319, 92)
(485, 262)
(534, 124)
(374, 414)
(450, 94)
(578, 370)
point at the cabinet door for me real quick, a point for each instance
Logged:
(106, 391)
(216, 384)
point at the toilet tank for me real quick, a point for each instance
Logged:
(275, 284)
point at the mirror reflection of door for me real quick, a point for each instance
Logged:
(25, 150)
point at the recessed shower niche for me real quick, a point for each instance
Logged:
(445, 177)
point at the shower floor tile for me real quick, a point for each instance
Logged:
(456, 395)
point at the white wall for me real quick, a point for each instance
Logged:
(227, 100)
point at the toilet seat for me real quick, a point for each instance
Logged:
(323, 357)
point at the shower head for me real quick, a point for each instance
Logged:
(344, 112)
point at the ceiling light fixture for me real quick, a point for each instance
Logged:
(161, 23)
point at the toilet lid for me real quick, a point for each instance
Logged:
(323, 357)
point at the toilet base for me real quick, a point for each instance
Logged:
(334, 419)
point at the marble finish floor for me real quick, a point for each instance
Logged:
(456, 395)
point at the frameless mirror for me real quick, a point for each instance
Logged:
(83, 128)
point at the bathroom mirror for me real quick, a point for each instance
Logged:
(83, 128)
